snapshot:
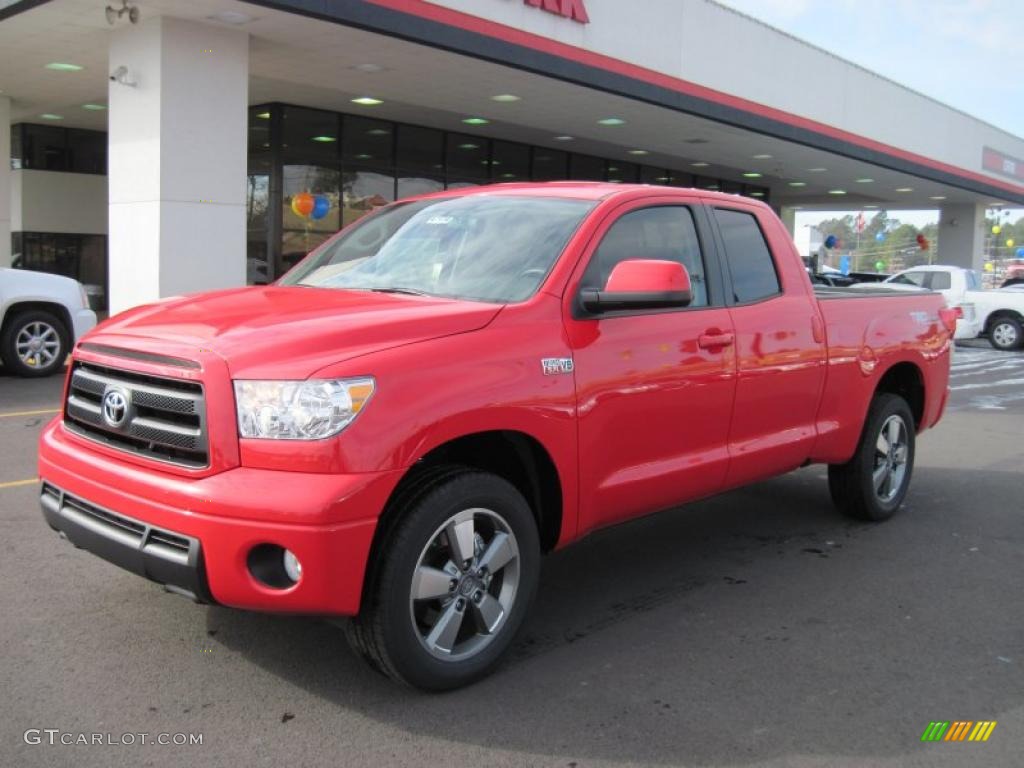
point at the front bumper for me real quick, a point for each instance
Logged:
(194, 535)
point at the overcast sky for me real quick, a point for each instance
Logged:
(968, 54)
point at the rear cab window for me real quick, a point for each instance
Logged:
(751, 267)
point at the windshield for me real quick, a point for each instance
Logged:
(479, 247)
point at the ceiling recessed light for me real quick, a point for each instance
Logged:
(94, 107)
(837, 191)
(712, 187)
(61, 66)
(865, 181)
(798, 183)
(51, 116)
(937, 197)
(613, 169)
(364, 156)
(324, 139)
(762, 157)
(263, 115)
(757, 194)
(564, 138)
(368, 68)
(476, 121)
(816, 170)
(231, 17)
(700, 164)
(905, 189)
(508, 175)
(367, 101)
(663, 178)
(752, 175)
(611, 121)
(378, 132)
(638, 152)
(506, 98)
(469, 146)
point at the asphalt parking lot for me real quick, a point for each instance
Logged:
(759, 627)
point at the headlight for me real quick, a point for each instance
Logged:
(299, 410)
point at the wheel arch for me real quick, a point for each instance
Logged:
(516, 456)
(996, 315)
(20, 307)
(906, 379)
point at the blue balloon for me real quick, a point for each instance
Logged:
(321, 207)
(1020, 253)
(880, 236)
(830, 242)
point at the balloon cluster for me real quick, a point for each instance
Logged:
(922, 242)
(308, 206)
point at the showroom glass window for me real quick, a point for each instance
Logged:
(510, 162)
(368, 164)
(257, 198)
(310, 182)
(468, 160)
(420, 159)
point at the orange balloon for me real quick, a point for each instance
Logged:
(302, 204)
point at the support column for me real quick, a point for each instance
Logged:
(788, 215)
(962, 236)
(5, 181)
(177, 160)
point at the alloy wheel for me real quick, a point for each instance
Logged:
(465, 584)
(891, 453)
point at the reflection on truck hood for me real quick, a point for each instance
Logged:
(291, 332)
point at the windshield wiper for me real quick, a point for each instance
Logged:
(407, 291)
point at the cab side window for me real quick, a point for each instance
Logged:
(748, 256)
(666, 232)
(911, 278)
(940, 281)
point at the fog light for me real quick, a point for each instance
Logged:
(292, 566)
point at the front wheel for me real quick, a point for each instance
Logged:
(34, 343)
(1005, 334)
(872, 485)
(456, 577)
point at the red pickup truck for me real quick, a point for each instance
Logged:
(400, 427)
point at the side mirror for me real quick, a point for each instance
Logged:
(641, 284)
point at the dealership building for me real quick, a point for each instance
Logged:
(166, 146)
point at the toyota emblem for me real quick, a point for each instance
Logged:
(115, 408)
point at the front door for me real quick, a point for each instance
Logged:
(654, 387)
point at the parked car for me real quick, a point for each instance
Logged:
(997, 314)
(41, 317)
(398, 429)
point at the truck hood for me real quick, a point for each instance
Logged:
(290, 332)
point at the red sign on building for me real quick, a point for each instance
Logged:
(995, 161)
(570, 9)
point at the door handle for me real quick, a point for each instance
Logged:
(715, 340)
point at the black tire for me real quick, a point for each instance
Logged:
(14, 326)
(386, 633)
(852, 485)
(1005, 333)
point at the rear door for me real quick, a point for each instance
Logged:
(779, 344)
(654, 387)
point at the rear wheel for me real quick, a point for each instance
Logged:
(34, 343)
(872, 485)
(1005, 333)
(457, 574)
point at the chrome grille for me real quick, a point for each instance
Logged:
(165, 419)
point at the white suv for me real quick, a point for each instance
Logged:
(41, 318)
